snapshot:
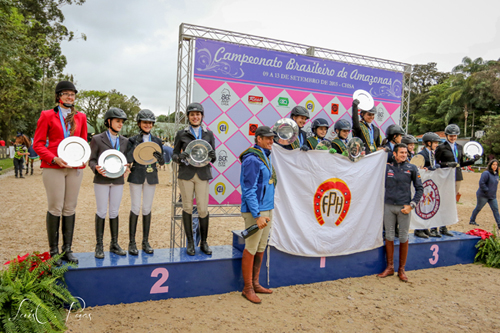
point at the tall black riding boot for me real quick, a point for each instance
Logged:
(31, 173)
(113, 246)
(146, 224)
(52, 222)
(204, 234)
(99, 232)
(187, 221)
(68, 226)
(132, 227)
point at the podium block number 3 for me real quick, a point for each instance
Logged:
(435, 255)
(157, 288)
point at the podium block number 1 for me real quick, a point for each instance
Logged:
(157, 288)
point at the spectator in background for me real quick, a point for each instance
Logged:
(21, 150)
(487, 193)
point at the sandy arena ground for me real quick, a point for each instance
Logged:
(463, 298)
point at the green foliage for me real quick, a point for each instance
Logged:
(33, 294)
(94, 103)
(488, 252)
(491, 139)
(31, 32)
(462, 98)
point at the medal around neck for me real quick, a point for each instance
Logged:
(113, 162)
(355, 148)
(472, 148)
(143, 153)
(287, 131)
(366, 101)
(198, 153)
(418, 161)
(74, 150)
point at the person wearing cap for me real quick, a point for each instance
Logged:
(61, 182)
(431, 141)
(258, 182)
(398, 204)
(393, 134)
(142, 181)
(449, 154)
(194, 180)
(300, 115)
(365, 129)
(410, 141)
(342, 128)
(319, 128)
(108, 191)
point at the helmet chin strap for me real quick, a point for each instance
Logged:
(66, 104)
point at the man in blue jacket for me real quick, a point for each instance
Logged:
(398, 205)
(258, 180)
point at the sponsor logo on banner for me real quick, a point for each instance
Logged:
(380, 114)
(222, 127)
(252, 128)
(222, 158)
(332, 201)
(310, 106)
(255, 99)
(225, 97)
(283, 101)
(220, 188)
(430, 202)
(335, 108)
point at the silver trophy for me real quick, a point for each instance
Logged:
(286, 131)
(355, 149)
(198, 153)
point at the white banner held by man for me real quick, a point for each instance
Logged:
(438, 206)
(326, 205)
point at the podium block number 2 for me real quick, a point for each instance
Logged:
(435, 255)
(157, 288)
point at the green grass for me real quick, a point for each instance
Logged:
(6, 164)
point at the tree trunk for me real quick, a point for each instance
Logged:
(466, 114)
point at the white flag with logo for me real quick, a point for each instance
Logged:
(326, 205)
(438, 206)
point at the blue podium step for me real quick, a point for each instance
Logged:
(171, 273)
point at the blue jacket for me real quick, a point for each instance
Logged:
(398, 179)
(488, 185)
(257, 195)
(425, 153)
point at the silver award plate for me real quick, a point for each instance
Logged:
(198, 153)
(287, 131)
(366, 101)
(472, 148)
(143, 153)
(355, 149)
(74, 150)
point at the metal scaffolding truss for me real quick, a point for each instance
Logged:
(188, 33)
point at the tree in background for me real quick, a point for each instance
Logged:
(94, 103)
(424, 77)
(31, 33)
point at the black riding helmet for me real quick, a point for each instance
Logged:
(319, 122)
(342, 125)
(145, 115)
(299, 111)
(452, 129)
(392, 131)
(62, 86)
(409, 139)
(113, 113)
(195, 107)
(430, 137)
